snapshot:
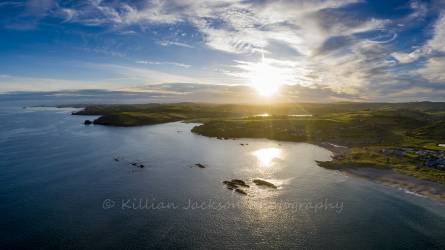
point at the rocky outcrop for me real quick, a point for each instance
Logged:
(87, 122)
(235, 184)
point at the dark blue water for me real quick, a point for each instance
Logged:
(60, 187)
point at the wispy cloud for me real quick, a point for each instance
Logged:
(160, 63)
(168, 43)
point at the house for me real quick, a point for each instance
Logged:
(395, 151)
(399, 152)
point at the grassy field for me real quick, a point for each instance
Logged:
(384, 124)
(128, 119)
(434, 148)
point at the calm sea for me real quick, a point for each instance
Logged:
(61, 187)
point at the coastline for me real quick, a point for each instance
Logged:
(336, 151)
(418, 186)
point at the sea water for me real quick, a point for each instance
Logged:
(64, 184)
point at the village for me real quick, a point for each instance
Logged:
(428, 158)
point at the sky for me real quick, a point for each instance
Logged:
(222, 51)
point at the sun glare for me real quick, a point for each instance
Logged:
(267, 76)
(265, 79)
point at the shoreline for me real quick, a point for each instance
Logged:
(415, 185)
(336, 151)
(428, 189)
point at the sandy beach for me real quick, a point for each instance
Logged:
(388, 177)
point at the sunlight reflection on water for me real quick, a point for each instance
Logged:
(267, 155)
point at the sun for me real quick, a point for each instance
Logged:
(265, 79)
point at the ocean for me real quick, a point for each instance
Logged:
(64, 184)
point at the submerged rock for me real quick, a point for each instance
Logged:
(200, 165)
(263, 183)
(240, 191)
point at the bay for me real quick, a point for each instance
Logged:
(61, 187)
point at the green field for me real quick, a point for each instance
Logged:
(435, 148)
(384, 124)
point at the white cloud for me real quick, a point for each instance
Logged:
(170, 63)
(434, 70)
(234, 26)
(407, 57)
(420, 8)
(437, 43)
(168, 43)
(135, 76)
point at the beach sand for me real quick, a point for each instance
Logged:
(388, 177)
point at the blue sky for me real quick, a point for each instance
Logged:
(225, 51)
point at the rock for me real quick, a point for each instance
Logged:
(263, 182)
(200, 165)
(134, 164)
(226, 138)
(141, 166)
(116, 159)
(241, 144)
(235, 183)
(240, 191)
(87, 122)
(239, 182)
